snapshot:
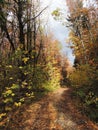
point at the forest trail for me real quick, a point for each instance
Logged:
(56, 111)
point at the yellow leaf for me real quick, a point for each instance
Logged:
(25, 59)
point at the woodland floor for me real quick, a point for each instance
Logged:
(56, 111)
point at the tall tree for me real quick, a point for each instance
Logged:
(19, 22)
(83, 33)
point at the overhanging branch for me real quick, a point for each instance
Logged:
(36, 15)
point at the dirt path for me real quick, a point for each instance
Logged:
(55, 111)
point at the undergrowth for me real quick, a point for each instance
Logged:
(84, 81)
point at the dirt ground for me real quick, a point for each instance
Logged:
(56, 111)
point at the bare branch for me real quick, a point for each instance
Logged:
(37, 15)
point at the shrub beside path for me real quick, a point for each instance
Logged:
(56, 111)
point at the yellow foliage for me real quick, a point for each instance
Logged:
(7, 92)
(17, 104)
(9, 66)
(2, 115)
(11, 78)
(20, 67)
(8, 108)
(25, 59)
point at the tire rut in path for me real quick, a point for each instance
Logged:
(69, 116)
